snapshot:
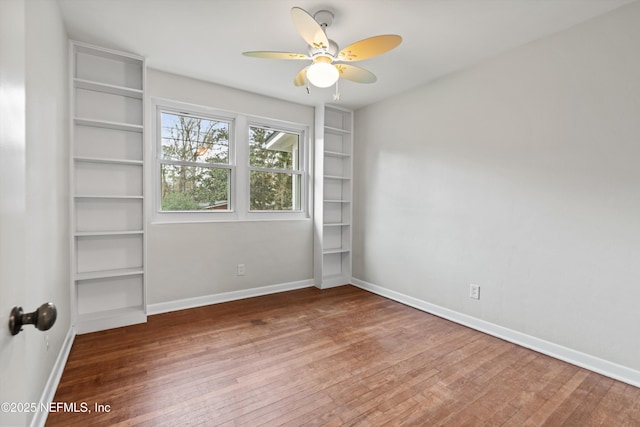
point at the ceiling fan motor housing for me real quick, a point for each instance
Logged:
(331, 50)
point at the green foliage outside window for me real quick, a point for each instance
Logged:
(195, 140)
(273, 190)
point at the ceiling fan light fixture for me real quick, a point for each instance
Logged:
(322, 74)
(324, 51)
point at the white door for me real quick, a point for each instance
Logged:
(12, 207)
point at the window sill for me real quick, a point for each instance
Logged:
(163, 218)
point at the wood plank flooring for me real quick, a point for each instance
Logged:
(341, 356)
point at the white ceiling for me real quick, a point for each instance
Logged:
(204, 39)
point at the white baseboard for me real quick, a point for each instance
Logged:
(165, 307)
(592, 363)
(49, 392)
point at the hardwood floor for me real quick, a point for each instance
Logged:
(341, 356)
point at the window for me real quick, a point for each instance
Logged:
(274, 168)
(195, 169)
(213, 165)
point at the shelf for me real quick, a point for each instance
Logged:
(93, 196)
(336, 154)
(108, 257)
(111, 161)
(334, 176)
(336, 131)
(106, 233)
(108, 215)
(108, 125)
(107, 67)
(109, 273)
(100, 52)
(91, 142)
(335, 251)
(107, 88)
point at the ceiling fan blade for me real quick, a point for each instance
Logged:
(308, 28)
(355, 74)
(301, 77)
(275, 55)
(368, 48)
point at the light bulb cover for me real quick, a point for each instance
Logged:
(322, 74)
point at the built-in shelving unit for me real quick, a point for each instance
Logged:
(333, 196)
(107, 178)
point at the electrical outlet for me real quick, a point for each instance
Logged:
(474, 291)
(240, 271)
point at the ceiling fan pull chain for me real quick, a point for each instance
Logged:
(336, 96)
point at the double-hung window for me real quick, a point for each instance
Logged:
(214, 165)
(195, 162)
(275, 173)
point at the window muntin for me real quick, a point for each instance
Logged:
(275, 175)
(195, 162)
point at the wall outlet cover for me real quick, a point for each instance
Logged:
(474, 291)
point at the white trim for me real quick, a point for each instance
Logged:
(48, 393)
(251, 219)
(333, 282)
(575, 357)
(304, 145)
(110, 319)
(165, 307)
(238, 165)
(160, 105)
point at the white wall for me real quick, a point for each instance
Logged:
(520, 175)
(35, 196)
(196, 260)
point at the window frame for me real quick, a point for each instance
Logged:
(300, 171)
(239, 197)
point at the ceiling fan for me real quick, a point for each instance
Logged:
(329, 64)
